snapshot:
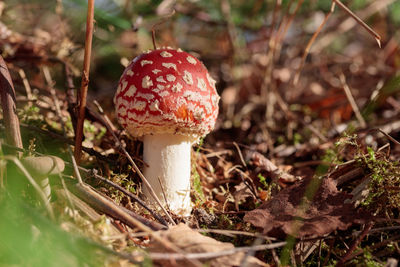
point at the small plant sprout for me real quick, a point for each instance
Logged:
(167, 98)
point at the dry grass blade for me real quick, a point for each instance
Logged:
(352, 102)
(349, 23)
(85, 81)
(309, 44)
(289, 21)
(360, 21)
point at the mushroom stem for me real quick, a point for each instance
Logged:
(168, 157)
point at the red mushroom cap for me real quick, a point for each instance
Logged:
(166, 91)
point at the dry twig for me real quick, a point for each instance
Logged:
(352, 102)
(85, 81)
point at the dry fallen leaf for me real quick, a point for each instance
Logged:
(191, 241)
(290, 212)
(260, 161)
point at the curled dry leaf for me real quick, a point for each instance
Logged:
(191, 241)
(309, 208)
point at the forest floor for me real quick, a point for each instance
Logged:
(302, 168)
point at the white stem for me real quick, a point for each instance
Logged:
(168, 157)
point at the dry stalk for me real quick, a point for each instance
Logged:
(387, 135)
(50, 83)
(85, 81)
(289, 21)
(126, 192)
(354, 245)
(153, 28)
(360, 21)
(309, 44)
(27, 86)
(106, 205)
(211, 255)
(352, 102)
(350, 23)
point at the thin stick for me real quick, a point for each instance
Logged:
(126, 192)
(85, 81)
(287, 25)
(8, 103)
(50, 83)
(210, 255)
(360, 21)
(352, 101)
(309, 44)
(91, 194)
(153, 28)
(234, 232)
(27, 86)
(353, 246)
(387, 135)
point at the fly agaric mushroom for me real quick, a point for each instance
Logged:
(167, 98)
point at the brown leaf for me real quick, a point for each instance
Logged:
(193, 242)
(260, 161)
(290, 212)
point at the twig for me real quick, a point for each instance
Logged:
(96, 199)
(50, 83)
(85, 81)
(234, 232)
(103, 205)
(289, 21)
(353, 246)
(352, 102)
(309, 44)
(360, 21)
(101, 111)
(250, 253)
(387, 135)
(126, 192)
(27, 86)
(211, 255)
(153, 28)
(349, 23)
(7, 94)
(278, 5)
(66, 140)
